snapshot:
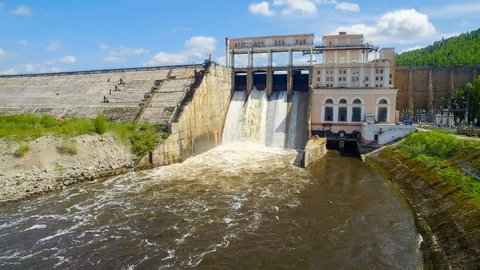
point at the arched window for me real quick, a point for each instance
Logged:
(329, 101)
(357, 110)
(342, 110)
(382, 110)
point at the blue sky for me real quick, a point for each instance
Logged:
(60, 35)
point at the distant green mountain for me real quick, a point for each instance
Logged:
(455, 51)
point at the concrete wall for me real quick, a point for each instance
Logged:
(419, 90)
(316, 148)
(81, 94)
(200, 125)
(386, 132)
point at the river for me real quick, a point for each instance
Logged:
(234, 207)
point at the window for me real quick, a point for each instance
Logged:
(328, 113)
(342, 114)
(383, 101)
(381, 71)
(357, 101)
(343, 101)
(366, 79)
(356, 114)
(318, 79)
(329, 101)
(382, 114)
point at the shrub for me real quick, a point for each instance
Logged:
(68, 146)
(144, 140)
(22, 150)
(100, 123)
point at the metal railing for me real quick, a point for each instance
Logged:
(100, 71)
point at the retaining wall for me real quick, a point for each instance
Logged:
(199, 126)
(430, 88)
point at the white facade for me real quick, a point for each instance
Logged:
(383, 133)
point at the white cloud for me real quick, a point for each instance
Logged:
(2, 53)
(201, 46)
(416, 47)
(22, 11)
(69, 59)
(401, 26)
(103, 46)
(262, 8)
(11, 71)
(39, 68)
(54, 45)
(346, 6)
(23, 42)
(196, 48)
(299, 8)
(163, 58)
(296, 7)
(123, 53)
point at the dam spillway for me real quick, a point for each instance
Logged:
(277, 121)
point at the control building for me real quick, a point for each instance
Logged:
(348, 88)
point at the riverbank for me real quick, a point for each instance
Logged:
(427, 171)
(52, 163)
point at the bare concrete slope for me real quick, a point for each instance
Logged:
(144, 94)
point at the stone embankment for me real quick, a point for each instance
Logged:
(448, 221)
(44, 167)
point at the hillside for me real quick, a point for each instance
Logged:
(459, 51)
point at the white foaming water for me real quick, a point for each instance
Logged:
(255, 117)
(277, 120)
(297, 131)
(235, 118)
(260, 121)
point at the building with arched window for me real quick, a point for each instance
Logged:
(350, 87)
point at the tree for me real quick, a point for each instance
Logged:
(468, 98)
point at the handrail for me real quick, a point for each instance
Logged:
(101, 71)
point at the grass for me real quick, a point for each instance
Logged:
(22, 150)
(143, 137)
(68, 147)
(437, 151)
(434, 144)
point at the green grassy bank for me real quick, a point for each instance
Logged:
(143, 137)
(444, 154)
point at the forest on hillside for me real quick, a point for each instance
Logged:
(460, 50)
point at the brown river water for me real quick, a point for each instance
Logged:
(236, 207)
